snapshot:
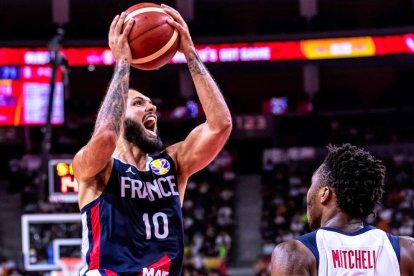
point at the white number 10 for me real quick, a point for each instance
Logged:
(157, 233)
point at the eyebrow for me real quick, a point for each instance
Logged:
(142, 98)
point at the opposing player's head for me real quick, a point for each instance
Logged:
(140, 123)
(349, 180)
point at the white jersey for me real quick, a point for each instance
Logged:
(369, 251)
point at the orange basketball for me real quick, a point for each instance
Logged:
(152, 40)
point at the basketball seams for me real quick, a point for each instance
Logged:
(160, 61)
(146, 31)
(143, 10)
(158, 53)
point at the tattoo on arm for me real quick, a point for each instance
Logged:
(113, 106)
(195, 65)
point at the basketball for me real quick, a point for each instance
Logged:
(152, 40)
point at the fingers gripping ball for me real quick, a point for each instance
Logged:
(152, 40)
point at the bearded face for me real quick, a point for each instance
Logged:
(145, 136)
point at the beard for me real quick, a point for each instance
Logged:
(135, 134)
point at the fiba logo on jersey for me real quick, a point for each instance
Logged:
(160, 166)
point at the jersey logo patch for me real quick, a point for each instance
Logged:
(130, 171)
(160, 166)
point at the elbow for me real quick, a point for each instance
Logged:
(220, 125)
(106, 136)
(225, 126)
(111, 137)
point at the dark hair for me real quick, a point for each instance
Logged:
(356, 177)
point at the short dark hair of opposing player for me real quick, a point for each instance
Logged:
(356, 177)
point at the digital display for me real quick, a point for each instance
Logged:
(339, 48)
(252, 126)
(305, 49)
(9, 72)
(24, 96)
(63, 186)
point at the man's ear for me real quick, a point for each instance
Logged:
(325, 194)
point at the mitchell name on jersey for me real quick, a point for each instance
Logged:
(358, 259)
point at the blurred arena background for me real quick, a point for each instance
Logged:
(297, 75)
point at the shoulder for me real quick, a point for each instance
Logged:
(292, 258)
(407, 244)
(81, 164)
(77, 162)
(290, 247)
(172, 152)
(406, 254)
(78, 155)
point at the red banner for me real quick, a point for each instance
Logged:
(326, 48)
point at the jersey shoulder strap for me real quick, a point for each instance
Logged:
(395, 245)
(309, 240)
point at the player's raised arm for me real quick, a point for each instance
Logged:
(96, 155)
(292, 258)
(206, 140)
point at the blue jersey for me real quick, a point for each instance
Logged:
(135, 226)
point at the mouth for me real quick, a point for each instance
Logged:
(150, 122)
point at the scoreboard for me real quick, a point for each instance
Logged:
(24, 95)
(63, 186)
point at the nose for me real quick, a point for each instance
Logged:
(151, 108)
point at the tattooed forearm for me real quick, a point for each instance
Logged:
(213, 103)
(195, 64)
(113, 106)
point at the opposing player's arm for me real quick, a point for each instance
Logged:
(206, 140)
(406, 256)
(292, 258)
(96, 155)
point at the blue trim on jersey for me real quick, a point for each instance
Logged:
(395, 242)
(129, 164)
(309, 240)
(88, 206)
(356, 233)
(90, 238)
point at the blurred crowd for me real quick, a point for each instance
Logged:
(208, 211)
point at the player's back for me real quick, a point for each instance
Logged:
(368, 251)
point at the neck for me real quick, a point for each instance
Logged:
(336, 218)
(130, 153)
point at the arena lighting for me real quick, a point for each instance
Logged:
(310, 49)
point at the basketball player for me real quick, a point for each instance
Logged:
(131, 188)
(345, 190)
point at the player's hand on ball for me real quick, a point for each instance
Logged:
(118, 38)
(177, 21)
